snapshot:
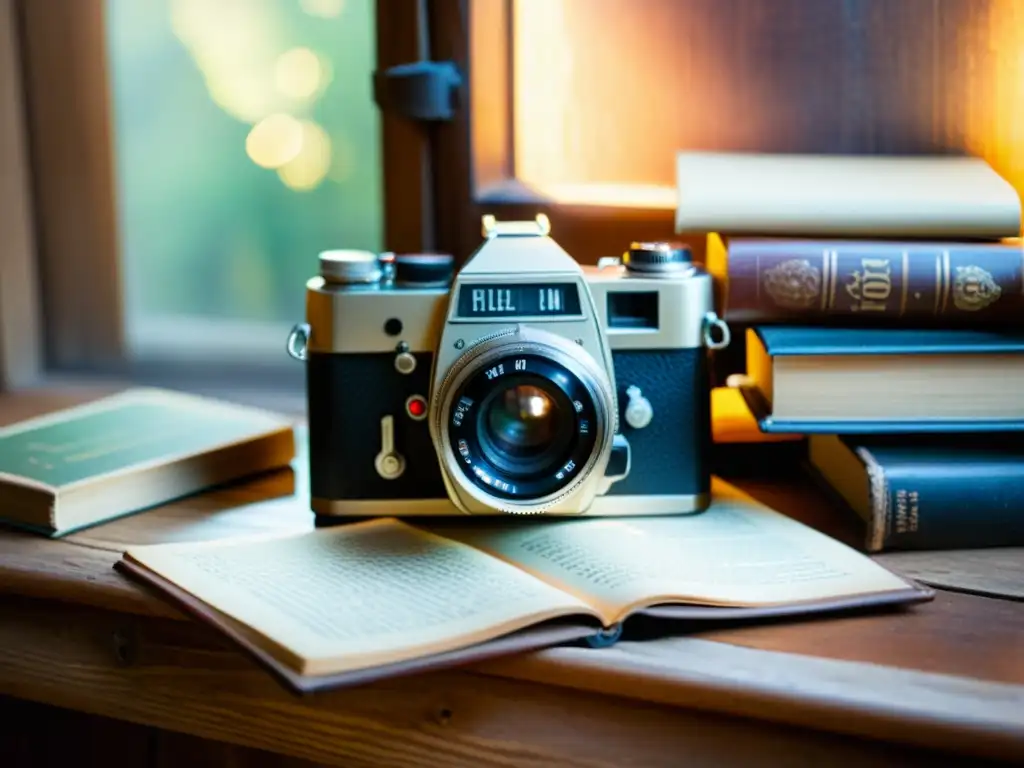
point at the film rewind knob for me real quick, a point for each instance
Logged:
(388, 463)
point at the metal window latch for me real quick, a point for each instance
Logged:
(419, 90)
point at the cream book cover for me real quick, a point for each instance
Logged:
(376, 598)
(844, 196)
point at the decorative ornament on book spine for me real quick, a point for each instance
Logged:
(974, 288)
(793, 284)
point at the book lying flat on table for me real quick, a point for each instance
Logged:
(357, 602)
(860, 283)
(908, 197)
(84, 465)
(927, 491)
(881, 380)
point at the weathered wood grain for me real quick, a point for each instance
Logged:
(181, 677)
(941, 711)
(954, 634)
(20, 335)
(73, 575)
(997, 572)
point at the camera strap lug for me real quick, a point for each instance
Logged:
(298, 340)
(713, 323)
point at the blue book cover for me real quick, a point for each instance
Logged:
(928, 492)
(805, 340)
(809, 380)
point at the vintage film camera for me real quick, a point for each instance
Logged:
(528, 384)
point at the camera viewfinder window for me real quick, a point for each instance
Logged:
(633, 309)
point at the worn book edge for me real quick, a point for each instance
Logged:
(768, 423)
(549, 634)
(270, 445)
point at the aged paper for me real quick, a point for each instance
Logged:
(358, 595)
(737, 553)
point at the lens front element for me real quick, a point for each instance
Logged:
(524, 426)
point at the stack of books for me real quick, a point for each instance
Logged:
(880, 308)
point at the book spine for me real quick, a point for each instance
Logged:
(801, 281)
(920, 507)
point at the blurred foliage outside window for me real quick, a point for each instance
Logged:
(246, 141)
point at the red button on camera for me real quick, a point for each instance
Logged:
(416, 407)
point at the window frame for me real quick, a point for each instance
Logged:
(483, 182)
(60, 204)
(61, 302)
(20, 337)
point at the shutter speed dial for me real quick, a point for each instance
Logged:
(658, 258)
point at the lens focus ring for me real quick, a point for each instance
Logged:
(484, 395)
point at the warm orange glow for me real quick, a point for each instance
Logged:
(606, 92)
(590, 109)
(646, 196)
(994, 123)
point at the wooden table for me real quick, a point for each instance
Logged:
(883, 687)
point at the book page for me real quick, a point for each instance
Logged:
(359, 595)
(736, 553)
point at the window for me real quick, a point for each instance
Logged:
(187, 159)
(578, 107)
(245, 141)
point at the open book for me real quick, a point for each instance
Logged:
(371, 599)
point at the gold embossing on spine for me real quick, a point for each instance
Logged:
(946, 281)
(907, 513)
(825, 280)
(870, 287)
(832, 262)
(974, 288)
(796, 284)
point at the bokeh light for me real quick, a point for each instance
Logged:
(298, 73)
(326, 9)
(275, 141)
(234, 49)
(310, 165)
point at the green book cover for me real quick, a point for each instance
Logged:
(126, 435)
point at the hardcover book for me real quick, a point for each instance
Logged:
(787, 280)
(928, 492)
(357, 602)
(87, 464)
(873, 380)
(804, 195)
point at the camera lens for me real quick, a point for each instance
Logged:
(525, 428)
(525, 425)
